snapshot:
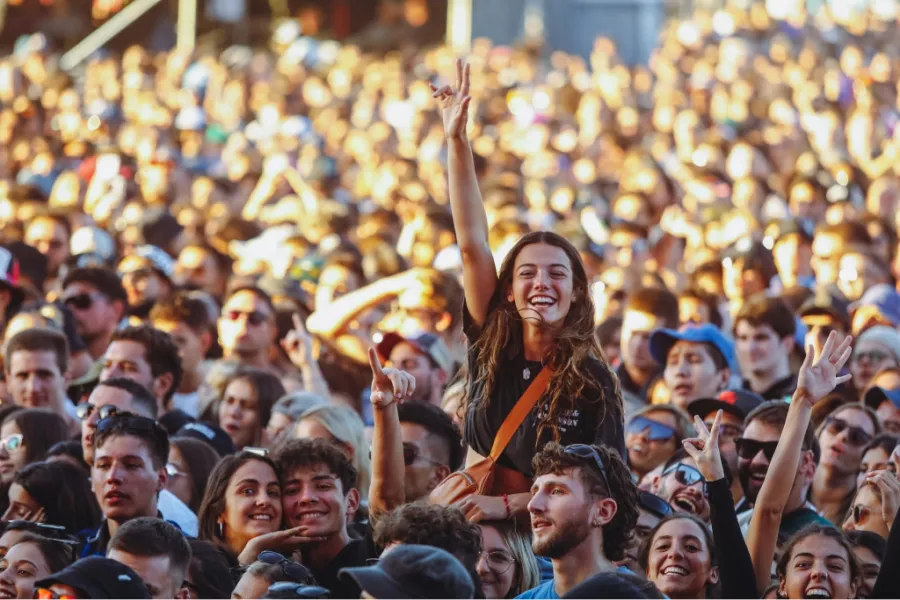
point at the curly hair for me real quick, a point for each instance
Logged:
(296, 454)
(431, 525)
(575, 343)
(617, 533)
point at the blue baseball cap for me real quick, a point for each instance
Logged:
(884, 298)
(875, 396)
(662, 340)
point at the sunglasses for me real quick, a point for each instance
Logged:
(658, 431)
(84, 411)
(855, 436)
(748, 449)
(584, 452)
(253, 318)
(287, 589)
(13, 442)
(411, 453)
(686, 475)
(131, 422)
(45, 529)
(47, 594)
(654, 504)
(294, 571)
(79, 301)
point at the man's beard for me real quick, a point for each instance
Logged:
(568, 535)
(751, 489)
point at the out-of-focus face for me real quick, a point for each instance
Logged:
(740, 283)
(239, 413)
(680, 563)
(196, 269)
(826, 258)
(857, 274)
(843, 438)
(870, 566)
(792, 259)
(866, 513)
(759, 348)
(692, 311)
(51, 239)
(817, 562)
(141, 281)
(870, 357)
(34, 380)
(542, 284)
(23, 564)
(181, 483)
(875, 459)
(651, 440)
(819, 327)
(636, 329)
(335, 281)
(889, 417)
(192, 346)
(627, 249)
(691, 373)
(94, 313)
(247, 325)
(645, 524)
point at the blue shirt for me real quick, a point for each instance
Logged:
(548, 590)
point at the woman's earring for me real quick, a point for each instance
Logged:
(220, 530)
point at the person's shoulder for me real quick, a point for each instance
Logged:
(544, 590)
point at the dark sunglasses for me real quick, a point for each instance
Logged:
(585, 452)
(748, 449)
(654, 504)
(45, 529)
(411, 453)
(855, 436)
(79, 301)
(253, 318)
(686, 475)
(295, 572)
(48, 594)
(84, 411)
(857, 513)
(132, 422)
(658, 431)
(287, 589)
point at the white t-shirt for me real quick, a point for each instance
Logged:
(175, 510)
(189, 403)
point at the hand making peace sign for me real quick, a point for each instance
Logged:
(455, 103)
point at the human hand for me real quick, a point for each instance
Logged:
(298, 344)
(704, 449)
(483, 508)
(389, 385)
(284, 541)
(887, 482)
(819, 374)
(455, 103)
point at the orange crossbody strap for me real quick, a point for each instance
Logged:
(519, 412)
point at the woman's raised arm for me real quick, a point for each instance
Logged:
(469, 218)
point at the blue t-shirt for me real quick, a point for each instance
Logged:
(548, 590)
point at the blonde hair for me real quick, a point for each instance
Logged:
(345, 425)
(528, 573)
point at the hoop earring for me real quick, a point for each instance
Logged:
(220, 530)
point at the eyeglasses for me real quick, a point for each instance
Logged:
(80, 301)
(13, 442)
(856, 436)
(48, 594)
(84, 411)
(498, 561)
(287, 589)
(686, 475)
(253, 318)
(726, 430)
(294, 571)
(411, 453)
(658, 431)
(872, 356)
(583, 451)
(263, 452)
(654, 504)
(748, 449)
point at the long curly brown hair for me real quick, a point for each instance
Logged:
(568, 357)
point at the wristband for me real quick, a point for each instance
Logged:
(506, 503)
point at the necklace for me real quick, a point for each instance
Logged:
(526, 374)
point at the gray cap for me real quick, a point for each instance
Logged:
(414, 571)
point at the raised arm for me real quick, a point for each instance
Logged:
(818, 377)
(735, 567)
(388, 488)
(469, 218)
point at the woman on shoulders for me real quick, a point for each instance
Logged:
(536, 313)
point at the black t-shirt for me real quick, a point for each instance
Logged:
(355, 554)
(579, 425)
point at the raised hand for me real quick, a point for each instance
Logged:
(704, 449)
(389, 385)
(819, 374)
(455, 103)
(887, 482)
(298, 344)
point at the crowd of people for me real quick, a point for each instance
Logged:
(308, 321)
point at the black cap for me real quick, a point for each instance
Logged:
(606, 585)
(736, 402)
(414, 571)
(99, 577)
(212, 435)
(827, 303)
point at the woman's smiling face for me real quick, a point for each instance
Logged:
(542, 283)
(818, 567)
(680, 563)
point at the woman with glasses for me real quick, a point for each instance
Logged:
(57, 493)
(842, 436)
(270, 567)
(33, 558)
(507, 566)
(876, 349)
(242, 502)
(875, 505)
(653, 435)
(26, 436)
(190, 464)
(246, 405)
